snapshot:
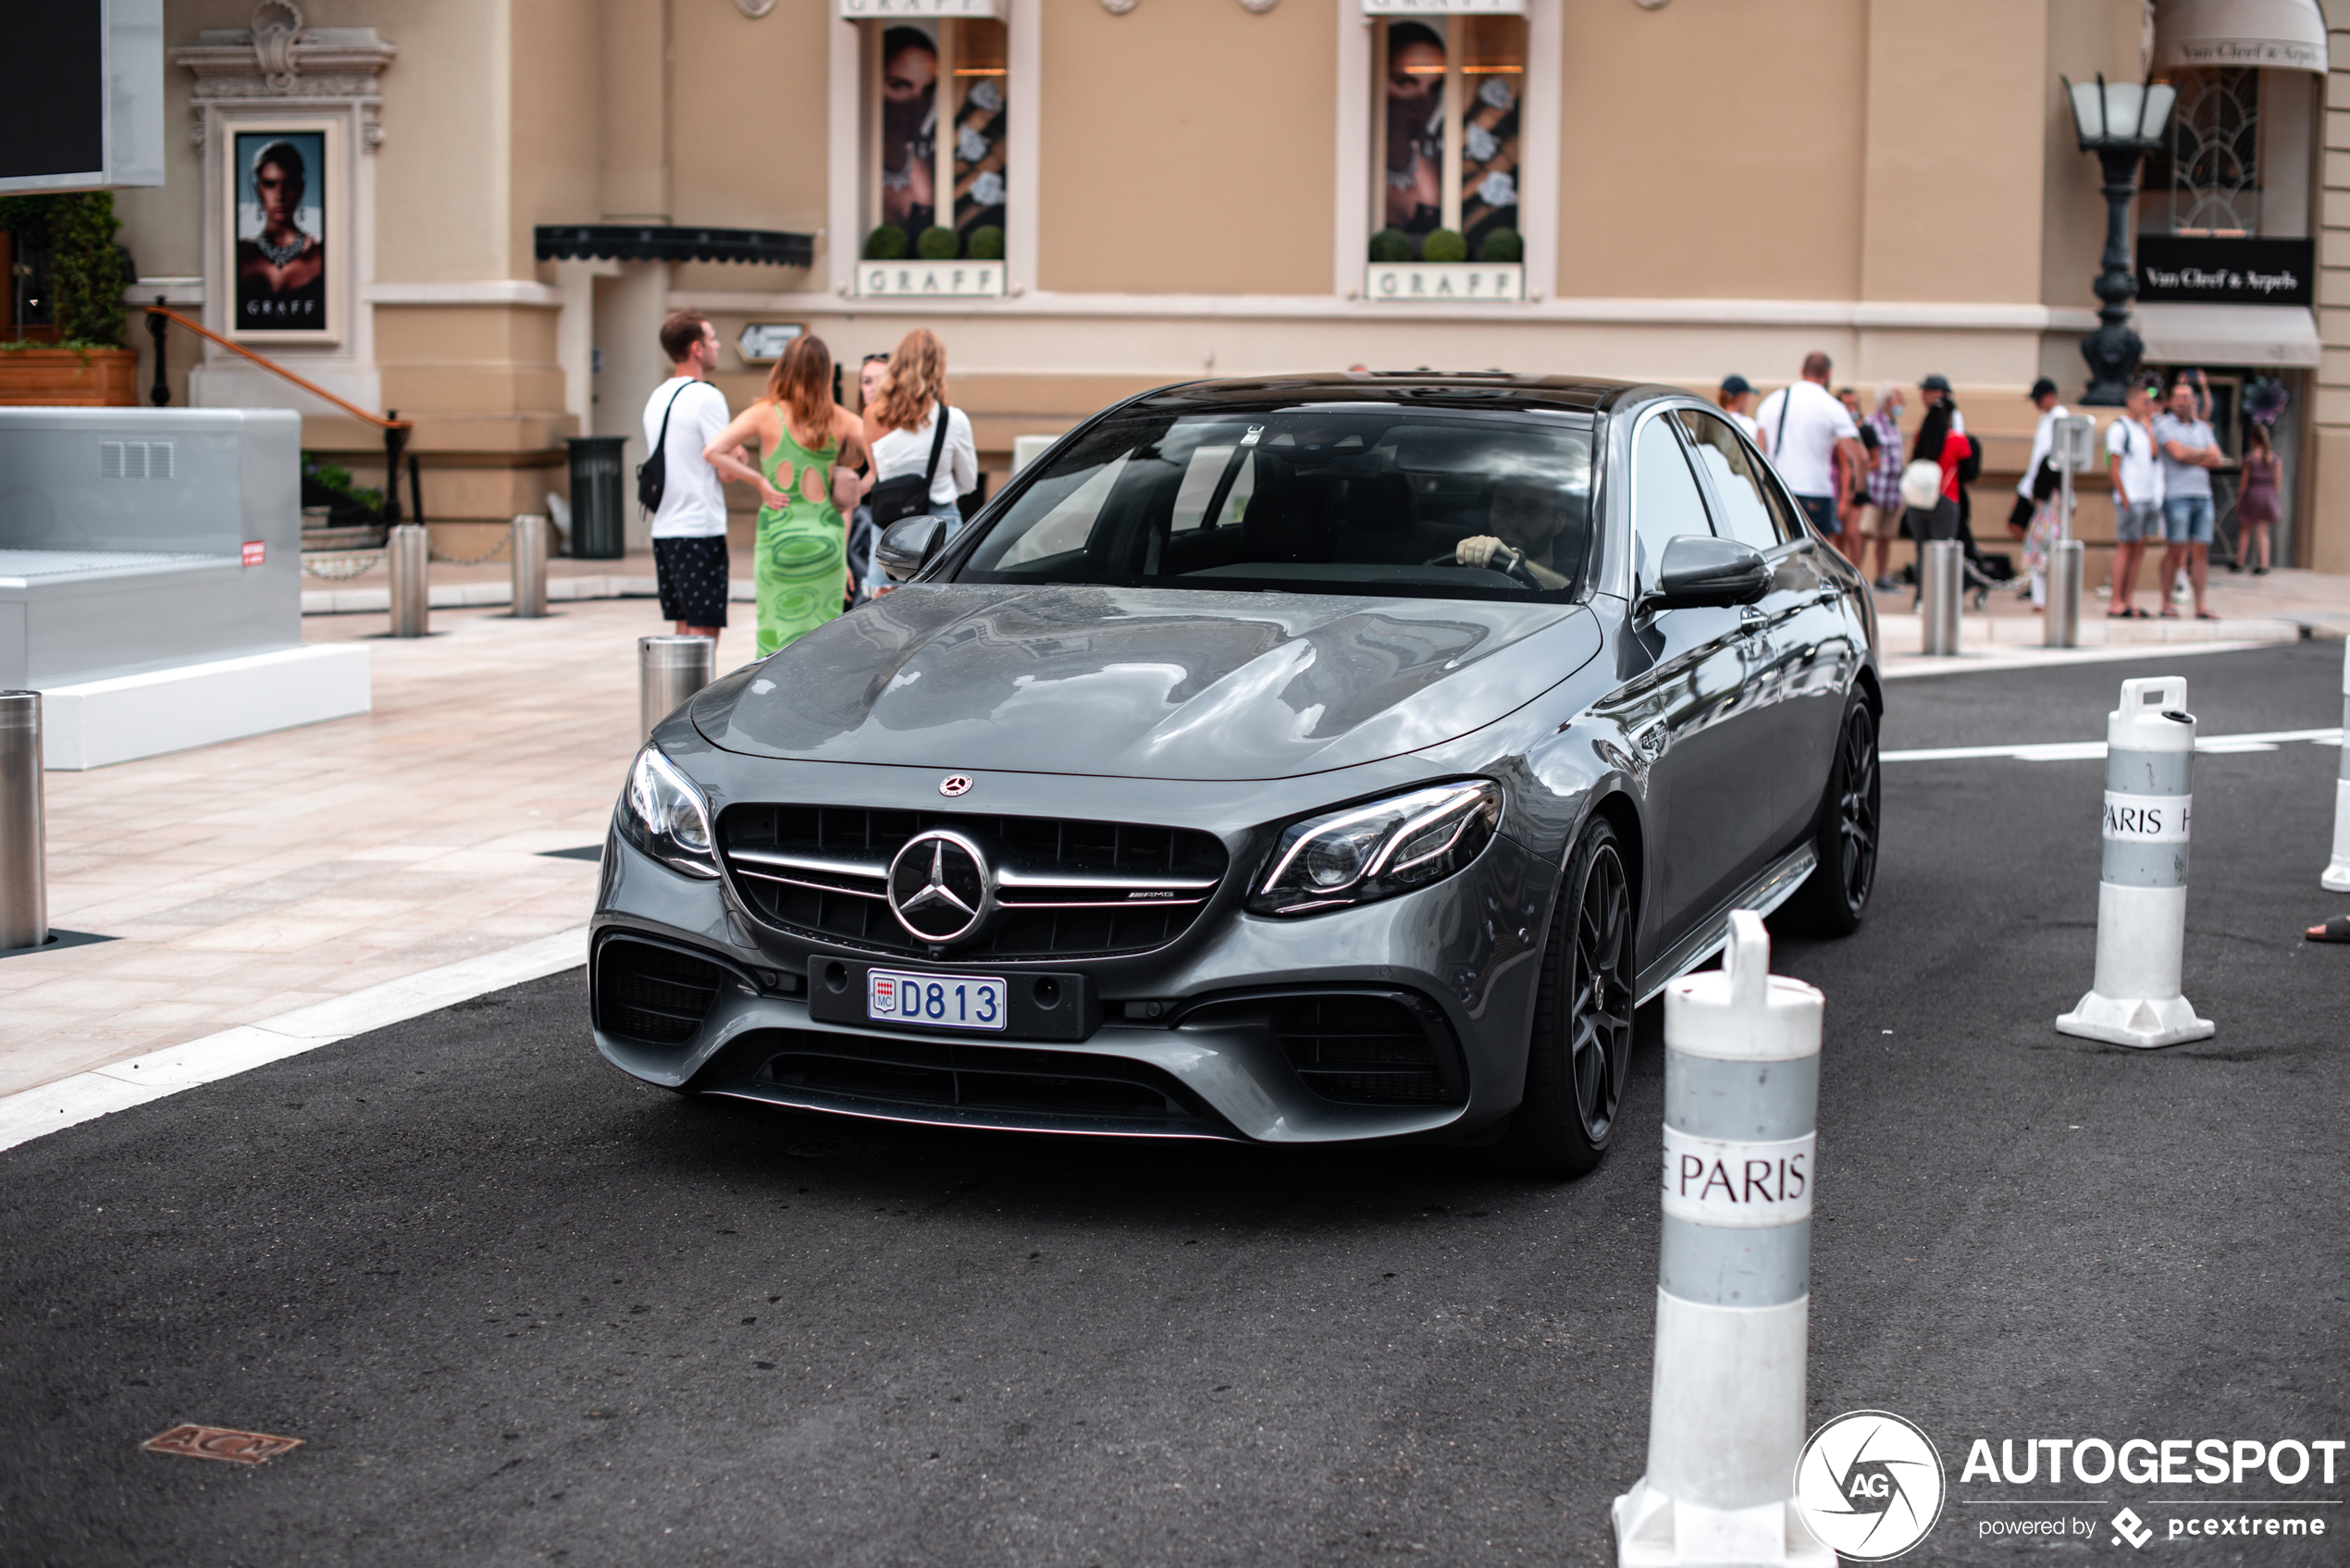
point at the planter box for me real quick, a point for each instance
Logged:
(1420, 283)
(68, 379)
(931, 279)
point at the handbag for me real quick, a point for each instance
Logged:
(1922, 485)
(893, 501)
(652, 475)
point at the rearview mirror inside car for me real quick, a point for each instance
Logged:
(907, 543)
(1701, 569)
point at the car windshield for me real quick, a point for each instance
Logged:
(1349, 500)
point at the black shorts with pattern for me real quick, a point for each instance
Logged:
(693, 580)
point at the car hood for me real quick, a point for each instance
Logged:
(1136, 683)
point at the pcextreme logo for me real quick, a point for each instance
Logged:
(1870, 1485)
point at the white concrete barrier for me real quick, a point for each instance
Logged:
(1732, 1301)
(2142, 887)
(2337, 875)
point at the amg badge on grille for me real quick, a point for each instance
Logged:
(955, 784)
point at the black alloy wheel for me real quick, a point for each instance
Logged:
(1581, 1048)
(1835, 898)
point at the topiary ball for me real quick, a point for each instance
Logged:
(1444, 245)
(987, 243)
(1391, 245)
(938, 243)
(885, 244)
(1502, 245)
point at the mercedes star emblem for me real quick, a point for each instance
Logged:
(955, 785)
(940, 888)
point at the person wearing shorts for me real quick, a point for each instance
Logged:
(689, 530)
(2190, 451)
(2134, 462)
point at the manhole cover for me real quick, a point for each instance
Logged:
(220, 1442)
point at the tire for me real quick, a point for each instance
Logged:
(1835, 898)
(1581, 1046)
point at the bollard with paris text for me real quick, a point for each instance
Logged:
(2337, 875)
(1733, 1300)
(2142, 886)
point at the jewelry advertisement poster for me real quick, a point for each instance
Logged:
(282, 192)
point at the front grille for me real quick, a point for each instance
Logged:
(938, 1075)
(1067, 889)
(1368, 1050)
(654, 994)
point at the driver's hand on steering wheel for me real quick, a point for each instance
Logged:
(1480, 550)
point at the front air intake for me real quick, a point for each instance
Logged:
(656, 996)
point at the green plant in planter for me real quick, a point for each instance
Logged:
(1502, 245)
(86, 277)
(1444, 245)
(885, 244)
(1391, 245)
(938, 243)
(987, 243)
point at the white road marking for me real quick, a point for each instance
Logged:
(29, 1113)
(2094, 750)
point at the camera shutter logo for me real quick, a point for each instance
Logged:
(1870, 1485)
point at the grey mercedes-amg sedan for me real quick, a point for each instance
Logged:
(1312, 759)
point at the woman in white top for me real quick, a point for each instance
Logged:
(901, 422)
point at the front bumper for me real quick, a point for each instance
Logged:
(1191, 1040)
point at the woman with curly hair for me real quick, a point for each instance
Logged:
(808, 446)
(901, 424)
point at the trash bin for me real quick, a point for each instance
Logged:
(596, 519)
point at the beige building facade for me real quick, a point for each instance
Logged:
(1153, 190)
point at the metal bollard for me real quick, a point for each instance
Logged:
(2337, 875)
(2064, 594)
(24, 892)
(1733, 1300)
(670, 669)
(1940, 570)
(528, 550)
(2142, 887)
(410, 551)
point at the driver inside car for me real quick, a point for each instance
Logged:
(1526, 520)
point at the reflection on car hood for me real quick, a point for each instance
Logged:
(1143, 683)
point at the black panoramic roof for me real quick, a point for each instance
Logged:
(1424, 388)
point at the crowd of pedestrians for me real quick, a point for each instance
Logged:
(829, 478)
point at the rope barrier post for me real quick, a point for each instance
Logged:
(669, 670)
(2074, 448)
(24, 895)
(410, 549)
(157, 324)
(1733, 1292)
(395, 440)
(2337, 874)
(1940, 580)
(528, 554)
(2142, 885)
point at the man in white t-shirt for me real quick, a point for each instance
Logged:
(2043, 396)
(2134, 463)
(689, 531)
(1811, 439)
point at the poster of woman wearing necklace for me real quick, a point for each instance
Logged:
(281, 232)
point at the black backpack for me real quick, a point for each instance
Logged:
(652, 475)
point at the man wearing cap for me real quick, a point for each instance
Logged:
(2043, 397)
(1811, 439)
(1737, 400)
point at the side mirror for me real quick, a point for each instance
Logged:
(907, 543)
(1701, 571)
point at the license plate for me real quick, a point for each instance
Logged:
(956, 1001)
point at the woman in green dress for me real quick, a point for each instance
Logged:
(810, 447)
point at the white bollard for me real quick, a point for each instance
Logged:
(1733, 1299)
(2142, 888)
(2337, 876)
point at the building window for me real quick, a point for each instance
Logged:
(917, 68)
(1446, 117)
(2206, 179)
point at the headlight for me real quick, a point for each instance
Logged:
(1366, 852)
(661, 813)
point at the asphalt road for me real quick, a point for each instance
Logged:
(520, 1309)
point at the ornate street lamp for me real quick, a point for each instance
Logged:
(2121, 122)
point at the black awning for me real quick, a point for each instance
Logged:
(671, 242)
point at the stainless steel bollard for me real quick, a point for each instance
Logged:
(410, 551)
(670, 669)
(24, 894)
(1940, 570)
(2064, 594)
(528, 550)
